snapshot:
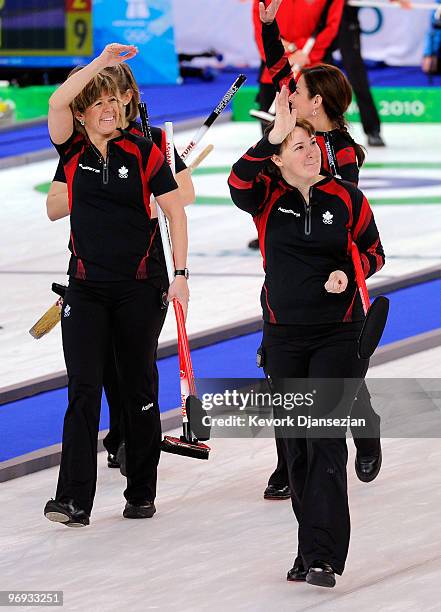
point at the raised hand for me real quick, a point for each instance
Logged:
(268, 14)
(285, 120)
(115, 53)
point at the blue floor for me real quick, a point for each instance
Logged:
(196, 98)
(36, 422)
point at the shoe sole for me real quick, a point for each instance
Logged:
(59, 517)
(296, 579)
(321, 580)
(274, 498)
(137, 516)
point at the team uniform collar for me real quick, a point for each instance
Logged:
(327, 177)
(122, 134)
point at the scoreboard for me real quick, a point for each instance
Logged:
(51, 31)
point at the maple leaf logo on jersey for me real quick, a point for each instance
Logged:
(328, 218)
(123, 172)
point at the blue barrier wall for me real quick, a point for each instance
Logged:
(36, 422)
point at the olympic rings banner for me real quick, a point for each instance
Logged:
(392, 35)
(148, 24)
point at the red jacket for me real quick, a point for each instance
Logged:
(297, 20)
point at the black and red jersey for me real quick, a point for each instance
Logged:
(302, 243)
(338, 155)
(112, 237)
(338, 152)
(158, 137)
(298, 21)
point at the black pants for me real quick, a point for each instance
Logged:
(94, 314)
(350, 49)
(366, 446)
(115, 399)
(316, 466)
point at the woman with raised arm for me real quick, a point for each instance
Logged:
(57, 205)
(306, 222)
(115, 276)
(322, 94)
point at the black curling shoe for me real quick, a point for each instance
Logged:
(254, 244)
(297, 573)
(321, 574)
(141, 510)
(67, 513)
(374, 140)
(277, 492)
(112, 461)
(368, 468)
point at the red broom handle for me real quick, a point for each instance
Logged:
(184, 348)
(360, 278)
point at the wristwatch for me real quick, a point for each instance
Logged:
(183, 272)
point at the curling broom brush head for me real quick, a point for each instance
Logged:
(48, 321)
(179, 446)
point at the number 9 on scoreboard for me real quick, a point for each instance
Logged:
(78, 27)
(78, 33)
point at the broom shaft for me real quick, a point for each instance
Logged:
(359, 276)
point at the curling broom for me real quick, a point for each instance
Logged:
(51, 317)
(187, 444)
(229, 95)
(375, 313)
(200, 158)
(48, 321)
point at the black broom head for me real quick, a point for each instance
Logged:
(180, 446)
(373, 327)
(198, 418)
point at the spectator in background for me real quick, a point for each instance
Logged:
(431, 63)
(350, 48)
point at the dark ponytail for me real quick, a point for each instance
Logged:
(330, 83)
(359, 150)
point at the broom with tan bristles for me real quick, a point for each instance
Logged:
(48, 321)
